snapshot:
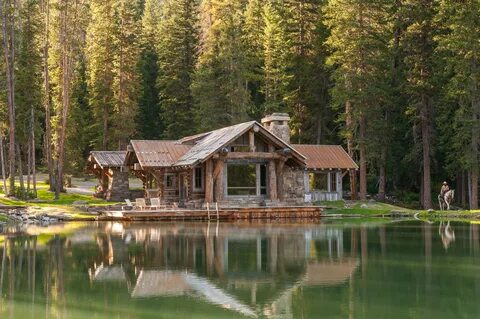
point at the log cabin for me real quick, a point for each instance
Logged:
(248, 164)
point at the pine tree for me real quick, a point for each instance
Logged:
(254, 30)
(176, 48)
(150, 124)
(99, 53)
(28, 92)
(418, 42)
(69, 20)
(125, 72)
(7, 14)
(219, 87)
(360, 35)
(276, 48)
(81, 134)
(460, 45)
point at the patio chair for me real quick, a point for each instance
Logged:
(140, 203)
(155, 203)
(128, 206)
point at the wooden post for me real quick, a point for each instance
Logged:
(251, 140)
(272, 180)
(209, 181)
(208, 210)
(218, 178)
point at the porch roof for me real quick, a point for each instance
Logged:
(326, 156)
(151, 154)
(108, 158)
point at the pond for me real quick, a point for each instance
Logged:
(324, 269)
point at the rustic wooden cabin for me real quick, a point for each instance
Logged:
(108, 167)
(325, 168)
(244, 164)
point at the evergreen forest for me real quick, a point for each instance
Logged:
(396, 82)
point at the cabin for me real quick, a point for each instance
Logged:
(108, 167)
(240, 165)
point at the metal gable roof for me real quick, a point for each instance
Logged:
(109, 158)
(158, 153)
(215, 140)
(326, 156)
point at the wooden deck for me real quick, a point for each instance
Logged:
(244, 213)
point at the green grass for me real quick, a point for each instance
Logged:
(47, 198)
(362, 208)
(46, 203)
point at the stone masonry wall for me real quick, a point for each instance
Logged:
(293, 186)
(118, 186)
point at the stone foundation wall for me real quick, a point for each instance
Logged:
(118, 186)
(293, 186)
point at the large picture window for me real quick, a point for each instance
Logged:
(246, 179)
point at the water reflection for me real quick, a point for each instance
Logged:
(446, 233)
(235, 270)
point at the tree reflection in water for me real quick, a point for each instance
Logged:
(273, 270)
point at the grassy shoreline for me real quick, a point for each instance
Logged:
(74, 207)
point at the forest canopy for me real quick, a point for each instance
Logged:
(394, 82)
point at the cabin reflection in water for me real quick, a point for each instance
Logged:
(218, 262)
(273, 270)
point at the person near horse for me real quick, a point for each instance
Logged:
(444, 189)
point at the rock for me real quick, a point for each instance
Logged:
(364, 206)
(431, 210)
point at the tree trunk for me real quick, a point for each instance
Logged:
(363, 158)
(2, 158)
(20, 172)
(29, 164)
(349, 124)
(474, 144)
(66, 66)
(425, 127)
(46, 83)
(9, 53)
(382, 181)
(474, 189)
(34, 171)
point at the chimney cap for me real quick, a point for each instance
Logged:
(276, 117)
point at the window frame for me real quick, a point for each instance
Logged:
(167, 175)
(202, 179)
(258, 186)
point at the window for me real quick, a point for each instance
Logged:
(333, 182)
(198, 178)
(319, 181)
(169, 181)
(263, 179)
(246, 179)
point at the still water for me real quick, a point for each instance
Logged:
(327, 269)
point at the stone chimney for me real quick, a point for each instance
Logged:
(277, 123)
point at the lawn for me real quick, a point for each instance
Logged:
(47, 198)
(362, 208)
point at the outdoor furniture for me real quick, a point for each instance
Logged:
(128, 206)
(155, 203)
(140, 203)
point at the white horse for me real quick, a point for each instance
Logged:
(447, 234)
(446, 200)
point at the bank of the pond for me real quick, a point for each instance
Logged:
(76, 207)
